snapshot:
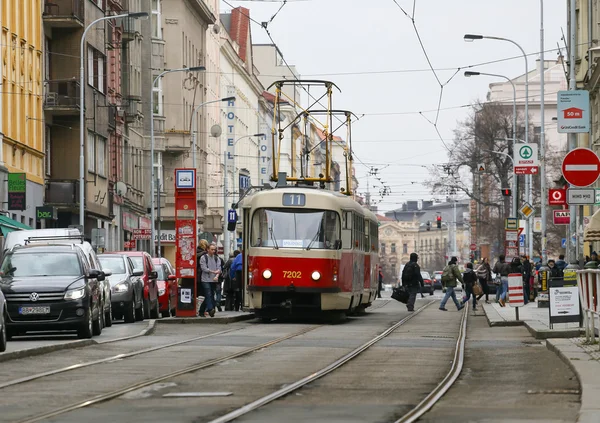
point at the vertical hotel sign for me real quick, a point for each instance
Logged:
(264, 155)
(230, 132)
(17, 191)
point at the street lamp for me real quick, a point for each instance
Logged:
(226, 247)
(514, 128)
(194, 132)
(156, 252)
(528, 179)
(135, 15)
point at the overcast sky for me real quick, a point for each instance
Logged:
(358, 44)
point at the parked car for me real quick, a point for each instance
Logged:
(3, 321)
(167, 286)
(126, 285)
(69, 236)
(143, 262)
(51, 287)
(437, 280)
(427, 283)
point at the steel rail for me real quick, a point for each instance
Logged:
(108, 359)
(316, 375)
(439, 391)
(121, 391)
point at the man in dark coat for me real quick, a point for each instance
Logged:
(412, 280)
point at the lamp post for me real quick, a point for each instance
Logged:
(543, 138)
(194, 132)
(514, 128)
(136, 15)
(473, 37)
(226, 246)
(156, 251)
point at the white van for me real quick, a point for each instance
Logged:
(15, 238)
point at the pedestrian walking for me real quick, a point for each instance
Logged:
(526, 279)
(236, 280)
(450, 275)
(200, 251)
(218, 287)
(484, 276)
(228, 282)
(412, 280)
(555, 271)
(469, 279)
(502, 268)
(379, 282)
(211, 269)
(561, 263)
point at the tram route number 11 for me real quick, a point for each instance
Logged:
(294, 200)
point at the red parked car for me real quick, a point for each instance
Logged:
(142, 261)
(167, 286)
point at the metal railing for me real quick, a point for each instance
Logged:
(588, 282)
(64, 9)
(62, 93)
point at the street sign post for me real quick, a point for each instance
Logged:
(581, 196)
(573, 111)
(557, 197)
(526, 159)
(581, 167)
(473, 247)
(537, 224)
(562, 217)
(515, 292)
(526, 210)
(511, 223)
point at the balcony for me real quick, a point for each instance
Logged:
(62, 97)
(64, 13)
(132, 111)
(131, 29)
(112, 117)
(64, 192)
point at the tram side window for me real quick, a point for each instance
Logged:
(347, 240)
(374, 236)
(367, 245)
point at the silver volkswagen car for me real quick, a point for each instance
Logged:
(127, 288)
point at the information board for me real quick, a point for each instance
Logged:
(564, 301)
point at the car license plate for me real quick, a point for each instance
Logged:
(34, 310)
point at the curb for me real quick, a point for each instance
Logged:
(587, 376)
(539, 332)
(32, 352)
(497, 321)
(203, 320)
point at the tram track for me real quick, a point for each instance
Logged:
(145, 383)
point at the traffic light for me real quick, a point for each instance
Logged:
(428, 225)
(439, 222)
(506, 192)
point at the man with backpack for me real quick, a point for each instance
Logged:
(450, 275)
(412, 280)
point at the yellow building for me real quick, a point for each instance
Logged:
(21, 113)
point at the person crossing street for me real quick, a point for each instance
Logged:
(412, 280)
(450, 275)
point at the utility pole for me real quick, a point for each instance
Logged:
(225, 209)
(572, 253)
(543, 195)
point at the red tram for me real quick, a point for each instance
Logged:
(308, 252)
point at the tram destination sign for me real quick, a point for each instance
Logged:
(292, 199)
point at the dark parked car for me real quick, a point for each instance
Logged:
(51, 287)
(427, 283)
(3, 320)
(143, 262)
(437, 280)
(127, 287)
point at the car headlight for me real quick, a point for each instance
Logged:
(267, 274)
(315, 276)
(120, 287)
(75, 294)
(161, 291)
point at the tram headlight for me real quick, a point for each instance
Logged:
(267, 274)
(315, 276)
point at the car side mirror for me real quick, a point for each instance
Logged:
(153, 274)
(96, 274)
(138, 273)
(107, 272)
(172, 278)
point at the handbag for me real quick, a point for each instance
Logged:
(498, 280)
(400, 294)
(477, 290)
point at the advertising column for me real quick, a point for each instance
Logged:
(185, 240)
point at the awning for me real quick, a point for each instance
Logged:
(8, 225)
(592, 229)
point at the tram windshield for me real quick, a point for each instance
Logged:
(287, 228)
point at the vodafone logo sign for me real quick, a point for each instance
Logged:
(557, 197)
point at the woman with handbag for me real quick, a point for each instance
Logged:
(484, 275)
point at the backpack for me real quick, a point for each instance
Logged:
(447, 275)
(408, 274)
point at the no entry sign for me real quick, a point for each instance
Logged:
(581, 167)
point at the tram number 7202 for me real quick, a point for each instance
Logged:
(294, 200)
(292, 274)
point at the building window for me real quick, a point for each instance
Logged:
(48, 151)
(158, 98)
(96, 69)
(156, 19)
(91, 152)
(394, 270)
(31, 222)
(100, 3)
(404, 248)
(393, 247)
(383, 248)
(101, 156)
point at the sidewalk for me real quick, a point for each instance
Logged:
(535, 319)
(221, 317)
